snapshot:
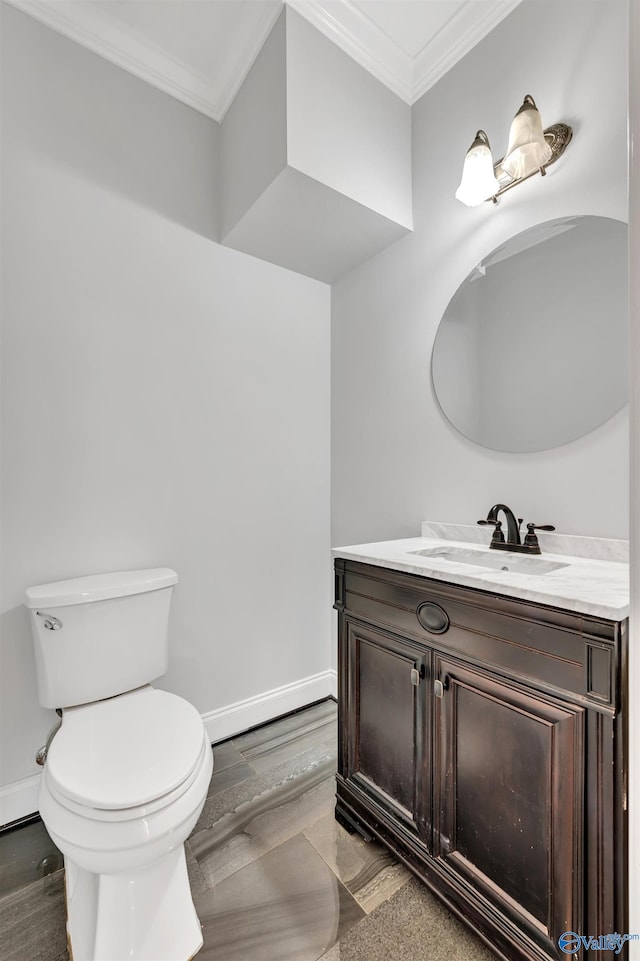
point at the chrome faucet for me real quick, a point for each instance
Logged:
(513, 542)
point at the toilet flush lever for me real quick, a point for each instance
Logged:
(51, 623)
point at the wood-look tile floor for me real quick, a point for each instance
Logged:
(273, 876)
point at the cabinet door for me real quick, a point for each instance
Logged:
(509, 800)
(386, 708)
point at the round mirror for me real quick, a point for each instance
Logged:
(532, 350)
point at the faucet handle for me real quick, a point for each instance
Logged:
(530, 540)
(498, 536)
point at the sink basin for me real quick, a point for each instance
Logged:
(498, 561)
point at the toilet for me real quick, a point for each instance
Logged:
(126, 774)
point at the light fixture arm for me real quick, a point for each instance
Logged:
(558, 136)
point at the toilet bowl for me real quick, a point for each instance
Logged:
(124, 784)
(126, 775)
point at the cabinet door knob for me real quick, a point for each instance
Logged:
(438, 688)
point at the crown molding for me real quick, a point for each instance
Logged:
(344, 24)
(339, 20)
(363, 40)
(89, 26)
(465, 29)
(237, 71)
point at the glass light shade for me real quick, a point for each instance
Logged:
(527, 150)
(478, 178)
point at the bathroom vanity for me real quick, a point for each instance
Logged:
(482, 732)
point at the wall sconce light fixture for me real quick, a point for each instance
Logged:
(530, 149)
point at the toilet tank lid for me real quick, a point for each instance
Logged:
(99, 587)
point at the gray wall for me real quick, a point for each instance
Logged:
(165, 400)
(395, 459)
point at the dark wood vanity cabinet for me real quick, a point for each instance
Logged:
(486, 750)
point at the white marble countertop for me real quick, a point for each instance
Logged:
(592, 575)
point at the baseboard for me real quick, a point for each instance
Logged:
(235, 718)
(20, 799)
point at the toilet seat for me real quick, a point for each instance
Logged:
(136, 812)
(127, 756)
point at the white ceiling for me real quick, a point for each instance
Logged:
(200, 51)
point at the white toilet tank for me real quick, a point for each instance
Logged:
(101, 635)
